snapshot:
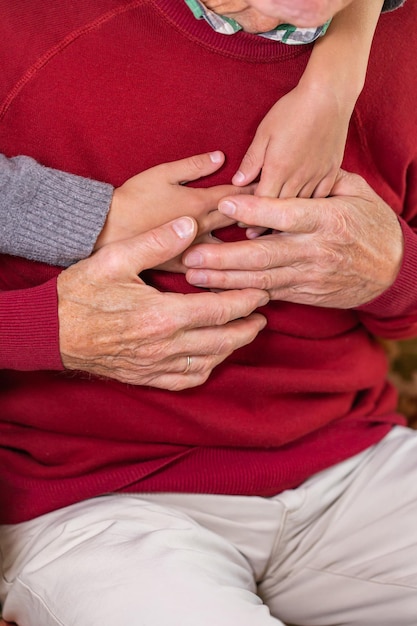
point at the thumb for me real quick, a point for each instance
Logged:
(130, 257)
(193, 167)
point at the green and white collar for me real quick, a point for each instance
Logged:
(285, 33)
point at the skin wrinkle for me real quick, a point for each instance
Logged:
(303, 13)
(260, 16)
(251, 20)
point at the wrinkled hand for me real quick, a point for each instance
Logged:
(342, 251)
(159, 195)
(113, 325)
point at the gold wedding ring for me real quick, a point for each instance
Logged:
(189, 362)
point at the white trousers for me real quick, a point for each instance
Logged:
(339, 550)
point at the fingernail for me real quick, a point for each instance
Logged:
(193, 259)
(197, 278)
(227, 207)
(216, 157)
(184, 227)
(239, 177)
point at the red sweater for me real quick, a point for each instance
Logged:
(107, 88)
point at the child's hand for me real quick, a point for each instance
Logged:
(298, 146)
(158, 195)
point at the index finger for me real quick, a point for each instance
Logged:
(292, 215)
(199, 310)
(213, 195)
(192, 167)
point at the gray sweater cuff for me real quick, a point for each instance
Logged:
(390, 5)
(47, 215)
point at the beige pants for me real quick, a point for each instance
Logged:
(339, 550)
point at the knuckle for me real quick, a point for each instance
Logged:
(196, 162)
(287, 219)
(254, 332)
(109, 259)
(329, 259)
(274, 169)
(262, 257)
(198, 377)
(207, 367)
(294, 182)
(340, 226)
(264, 281)
(226, 345)
(249, 161)
(220, 313)
(221, 316)
(202, 377)
(297, 181)
(159, 326)
(156, 240)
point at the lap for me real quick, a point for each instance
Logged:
(121, 559)
(350, 549)
(340, 549)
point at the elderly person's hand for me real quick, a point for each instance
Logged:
(114, 325)
(342, 251)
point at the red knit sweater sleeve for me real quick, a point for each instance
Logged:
(29, 329)
(393, 315)
(388, 128)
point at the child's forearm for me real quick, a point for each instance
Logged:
(339, 59)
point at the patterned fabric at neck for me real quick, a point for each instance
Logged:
(285, 33)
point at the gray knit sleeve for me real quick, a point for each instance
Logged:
(390, 5)
(48, 215)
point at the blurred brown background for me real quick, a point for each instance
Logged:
(403, 361)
